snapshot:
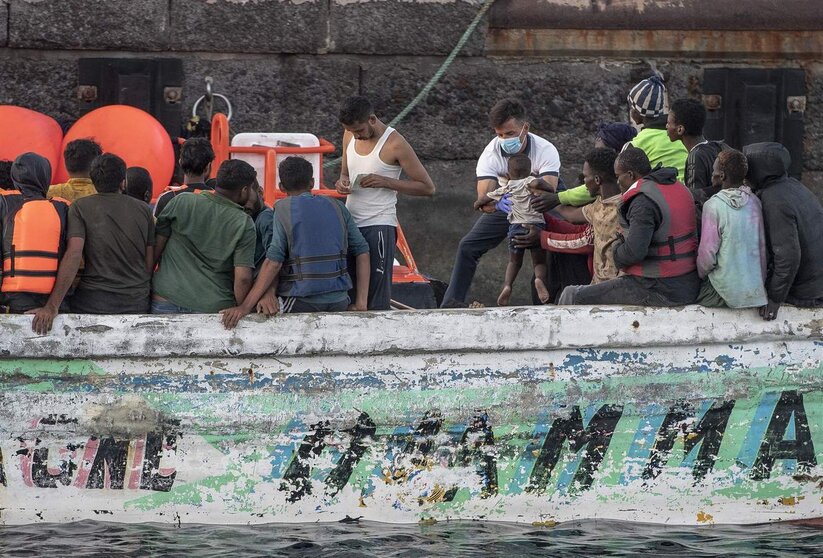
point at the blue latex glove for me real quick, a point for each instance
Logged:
(504, 204)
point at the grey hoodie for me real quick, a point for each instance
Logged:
(793, 219)
(732, 252)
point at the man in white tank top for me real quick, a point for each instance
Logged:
(374, 155)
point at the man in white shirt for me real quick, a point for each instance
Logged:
(510, 124)
(374, 155)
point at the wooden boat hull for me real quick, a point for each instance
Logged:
(537, 415)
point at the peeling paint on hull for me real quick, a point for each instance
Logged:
(685, 416)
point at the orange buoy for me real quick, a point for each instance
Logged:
(132, 134)
(25, 130)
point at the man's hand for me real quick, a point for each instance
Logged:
(231, 316)
(480, 204)
(769, 312)
(544, 201)
(343, 186)
(361, 307)
(268, 305)
(43, 319)
(504, 204)
(375, 181)
(527, 240)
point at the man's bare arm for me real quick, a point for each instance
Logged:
(571, 214)
(159, 245)
(363, 266)
(266, 279)
(343, 186)
(419, 183)
(44, 317)
(243, 278)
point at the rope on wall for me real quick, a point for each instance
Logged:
(438, 75)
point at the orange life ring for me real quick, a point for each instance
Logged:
(25, 130)
(132, 134)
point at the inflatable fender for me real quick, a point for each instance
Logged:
(132, 134)
(25, 130)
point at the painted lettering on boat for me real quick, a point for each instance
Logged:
(579, 438)
(99, 463)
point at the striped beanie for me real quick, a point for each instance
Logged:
(648, 97)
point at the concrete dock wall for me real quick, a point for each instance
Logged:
(535, 415)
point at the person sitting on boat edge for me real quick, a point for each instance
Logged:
(205, 246)
(138, 184)
(114, 235)
(78, 157)
(522, 218)
(32, 236)
(6, 183)
(731, 258)
(657, 251)
(263, 217)
(196, 158)
(306, 263)
(793, 218)
(511, 125)
(610, 135)
(602, 214)
(685, 123)
(374, 156)
(647, 107)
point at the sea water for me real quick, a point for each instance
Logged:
(578, 538)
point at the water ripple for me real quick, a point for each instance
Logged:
(364, 539)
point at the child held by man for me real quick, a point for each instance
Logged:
(522, 219)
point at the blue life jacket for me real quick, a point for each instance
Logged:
(318, 243)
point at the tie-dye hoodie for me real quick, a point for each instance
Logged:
(732, 252)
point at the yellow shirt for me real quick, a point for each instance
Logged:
(72, 190)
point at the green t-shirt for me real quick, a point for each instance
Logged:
(208, 236)
(660, 149)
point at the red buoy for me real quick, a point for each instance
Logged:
(25, 130)
(132, 134)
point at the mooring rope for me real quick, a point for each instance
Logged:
(438, 75)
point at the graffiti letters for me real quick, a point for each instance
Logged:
(594, 438)
(708, 433)
(788, 412)
(477, 445)
(99, 463)
(363, 430)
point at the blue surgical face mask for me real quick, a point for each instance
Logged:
(513, 145)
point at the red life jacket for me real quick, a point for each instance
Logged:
(673, 250)
(32, 245)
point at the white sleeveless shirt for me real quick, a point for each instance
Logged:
(372, 206)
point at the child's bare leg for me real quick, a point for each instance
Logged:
(541, 274)
(514, 265)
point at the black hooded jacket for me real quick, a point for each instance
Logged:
(31, 174)
(793, 218)
(644, 219)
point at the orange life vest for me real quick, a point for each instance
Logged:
(9, 192)
(32, 246)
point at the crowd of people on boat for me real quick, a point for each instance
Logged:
(663, 217)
